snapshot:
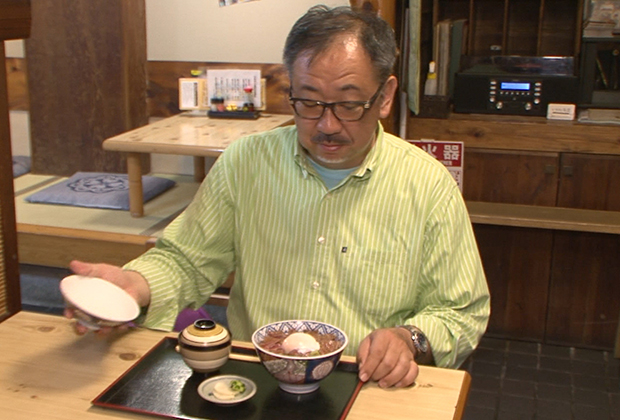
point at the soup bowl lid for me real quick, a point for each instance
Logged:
(204, 332)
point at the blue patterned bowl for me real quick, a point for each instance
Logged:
(299, 374)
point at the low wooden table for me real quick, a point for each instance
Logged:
(184, 134)
(49, 372)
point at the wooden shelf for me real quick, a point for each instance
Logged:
(525, 133)
(543, 217)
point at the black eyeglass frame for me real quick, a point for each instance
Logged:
(366, 105)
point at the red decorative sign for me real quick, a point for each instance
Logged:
(450, 153)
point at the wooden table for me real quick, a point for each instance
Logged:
(48, 372)
(183, 134)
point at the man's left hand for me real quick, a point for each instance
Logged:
(386, 356)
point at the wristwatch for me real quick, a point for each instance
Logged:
(419, 340)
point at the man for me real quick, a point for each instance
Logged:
(331, 219)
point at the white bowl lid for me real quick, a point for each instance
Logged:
(99, 298)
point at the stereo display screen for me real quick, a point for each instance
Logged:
(515, 86)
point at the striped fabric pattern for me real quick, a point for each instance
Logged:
(391, 244)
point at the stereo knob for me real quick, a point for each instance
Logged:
(528, 106)
(499, 105)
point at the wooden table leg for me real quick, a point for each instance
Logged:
(199, 168)
(134, 172)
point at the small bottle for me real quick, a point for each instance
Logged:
(430, 87)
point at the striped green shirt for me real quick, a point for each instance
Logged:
(391, 244)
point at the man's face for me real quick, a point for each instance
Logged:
(341, 73)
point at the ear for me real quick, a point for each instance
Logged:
(387, 97)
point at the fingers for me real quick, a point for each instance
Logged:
(362, 356)
(374, 351)
(410, 377)
(81, 268)
(384, 357)
(400, 374)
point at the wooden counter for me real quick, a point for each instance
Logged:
(48, 372)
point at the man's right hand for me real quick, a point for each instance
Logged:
(130, 281)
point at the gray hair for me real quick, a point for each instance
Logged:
(315, 32)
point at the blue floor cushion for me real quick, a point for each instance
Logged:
(99, 190)
(21, 165)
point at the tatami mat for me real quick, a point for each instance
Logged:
(158, 212)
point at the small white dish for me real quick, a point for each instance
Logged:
(205, 389)
(98, 302)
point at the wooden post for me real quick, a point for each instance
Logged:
(86, 64)
(14, 24)
(387, 10)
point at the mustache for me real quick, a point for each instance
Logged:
(322, 138)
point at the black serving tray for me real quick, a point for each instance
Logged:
(243, 115)
(162, 385)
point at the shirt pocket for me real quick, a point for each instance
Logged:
(377, 283)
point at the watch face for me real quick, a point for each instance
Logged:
(419, 341)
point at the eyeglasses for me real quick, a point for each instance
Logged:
(344, 111)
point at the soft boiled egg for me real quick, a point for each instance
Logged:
(300, 342)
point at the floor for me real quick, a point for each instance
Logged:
(511, 380)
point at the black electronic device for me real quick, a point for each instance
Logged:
(514, 85)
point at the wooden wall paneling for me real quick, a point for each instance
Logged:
(17, 84)
(510, 177)
(453, 9)
(488, 27)
(560, 28)
(163, 84)
(583, 304)
(517, 265)
(87, 82)
(522, 27)
(589, 182)
(384, 8)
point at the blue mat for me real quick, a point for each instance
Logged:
(21, 165)
(99, 190)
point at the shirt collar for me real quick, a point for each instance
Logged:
(365, 169)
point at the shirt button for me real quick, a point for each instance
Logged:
(321, 240)
(315, 285)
